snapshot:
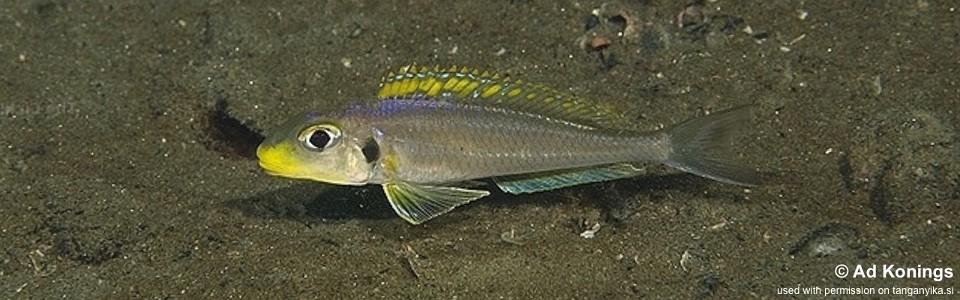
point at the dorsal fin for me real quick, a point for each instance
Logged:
(462, 84)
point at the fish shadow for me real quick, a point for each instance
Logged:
(619, 200)
(309, 202)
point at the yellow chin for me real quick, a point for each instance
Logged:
(282, 159)
(278, 160)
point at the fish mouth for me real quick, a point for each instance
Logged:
(268, 168)
(276, 160)
(282, 169)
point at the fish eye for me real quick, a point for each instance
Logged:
(319, 137)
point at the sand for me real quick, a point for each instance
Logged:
(113, 184)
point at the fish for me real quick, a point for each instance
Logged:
(432, 134)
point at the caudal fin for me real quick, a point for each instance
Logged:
(699, 146)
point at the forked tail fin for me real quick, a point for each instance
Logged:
(700, 146)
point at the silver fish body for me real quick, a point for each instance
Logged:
(437, 142)
(432, 132)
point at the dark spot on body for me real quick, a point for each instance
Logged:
(371, 150)
(230, 137)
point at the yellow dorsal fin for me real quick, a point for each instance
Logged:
(462, 84)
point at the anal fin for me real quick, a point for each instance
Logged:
(418, 203)
(544, 181)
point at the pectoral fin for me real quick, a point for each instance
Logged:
(537, 182)
(419, 203)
